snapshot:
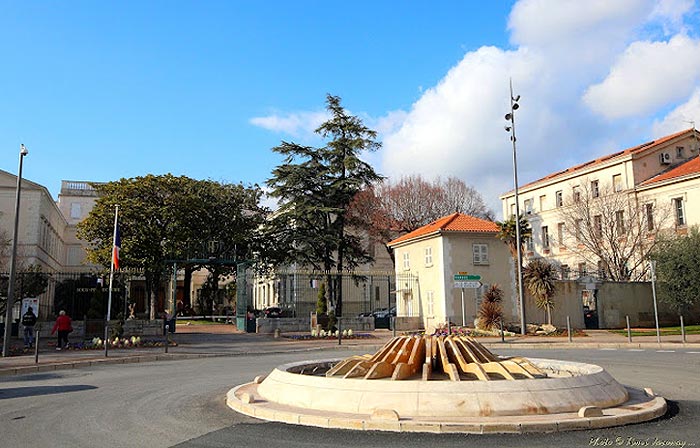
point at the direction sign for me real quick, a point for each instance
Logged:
(468, 285)
(465, 277)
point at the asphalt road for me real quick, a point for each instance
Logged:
(181, 403)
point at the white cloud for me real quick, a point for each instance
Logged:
(561, 48)
(647, 76)
(670, 13)
(680, 117)
(297, 124)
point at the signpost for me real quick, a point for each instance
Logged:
(465, 281)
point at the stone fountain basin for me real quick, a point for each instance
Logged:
(568, 387)
(574, 396)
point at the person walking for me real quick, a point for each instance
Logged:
(63, 326)
(28, 322)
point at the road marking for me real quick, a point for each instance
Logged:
(694, 352)
(636, 350)
(609, 349)
(665, 351)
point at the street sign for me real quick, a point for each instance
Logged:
(465, 277)
(468, 285)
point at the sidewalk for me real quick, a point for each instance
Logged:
(224, 340)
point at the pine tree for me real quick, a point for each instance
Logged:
(315, 187)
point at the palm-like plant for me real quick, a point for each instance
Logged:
(539, 277)
(490, 311)
(507, 233)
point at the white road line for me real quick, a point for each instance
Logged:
(665, 351)
(694, 352)
(636, 350)
(609, 349)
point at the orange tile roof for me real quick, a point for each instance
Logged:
(620, 154)
(692, 166)
(456, 222)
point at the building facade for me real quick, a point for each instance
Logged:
(614, 205)
(454, 244)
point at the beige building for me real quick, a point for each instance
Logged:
(620, 200)
(436, 252)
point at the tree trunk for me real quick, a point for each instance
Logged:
(187, 286)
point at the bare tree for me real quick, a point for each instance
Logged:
(388, 210)
(613, 230)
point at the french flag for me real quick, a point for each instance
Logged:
(117, 247)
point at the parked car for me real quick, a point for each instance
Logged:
(272, 312)
(384, 313)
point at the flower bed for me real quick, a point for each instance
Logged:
(327, 335)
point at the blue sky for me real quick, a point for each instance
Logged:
(103, 90)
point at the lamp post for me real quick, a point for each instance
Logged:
(510, 117)
(13, 260)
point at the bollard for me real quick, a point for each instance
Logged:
(340, 331)
(392, 319)
(167, 336)
(629, 330)
(36, 346)
(503, 336)
(568, 328)
(106, 339)
(682, 330)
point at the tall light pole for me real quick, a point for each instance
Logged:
(13, 260)
(510, 117)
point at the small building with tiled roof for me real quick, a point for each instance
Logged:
(434, 253)
(659, 179)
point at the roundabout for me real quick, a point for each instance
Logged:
(445, 384)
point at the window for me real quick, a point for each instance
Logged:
(559, 198)
(512, 209)
(620, 222)
(598, 225)
(481, 253)
(428, 256)
(406, 262)
(680, 213)
(582, 269)
(649, 212)
(679, 152)
(601, 269)
(75, 210)
(545, 237)
(595, 190)
(579, 222)
(543, 202)
(560, 233)
(371, 251)
(617, 182)
(577, 194)
(528, 244)
(431, 303)
(565, 270)
(527, 205)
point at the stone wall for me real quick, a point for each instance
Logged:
(134, 327)
(303, 324)
(406, 323)
(615, 301)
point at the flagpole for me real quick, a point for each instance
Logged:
(111, 279)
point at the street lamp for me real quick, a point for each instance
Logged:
(510, 127)
(13, 259)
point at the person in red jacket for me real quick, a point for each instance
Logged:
(63, 325)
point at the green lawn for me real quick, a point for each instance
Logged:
(665, 331)
(197, 322)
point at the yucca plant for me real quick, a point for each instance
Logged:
(490, 311)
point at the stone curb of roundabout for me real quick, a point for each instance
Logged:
(243, 399)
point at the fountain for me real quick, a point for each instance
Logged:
(444, 384)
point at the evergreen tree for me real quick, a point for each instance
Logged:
(315, 187)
